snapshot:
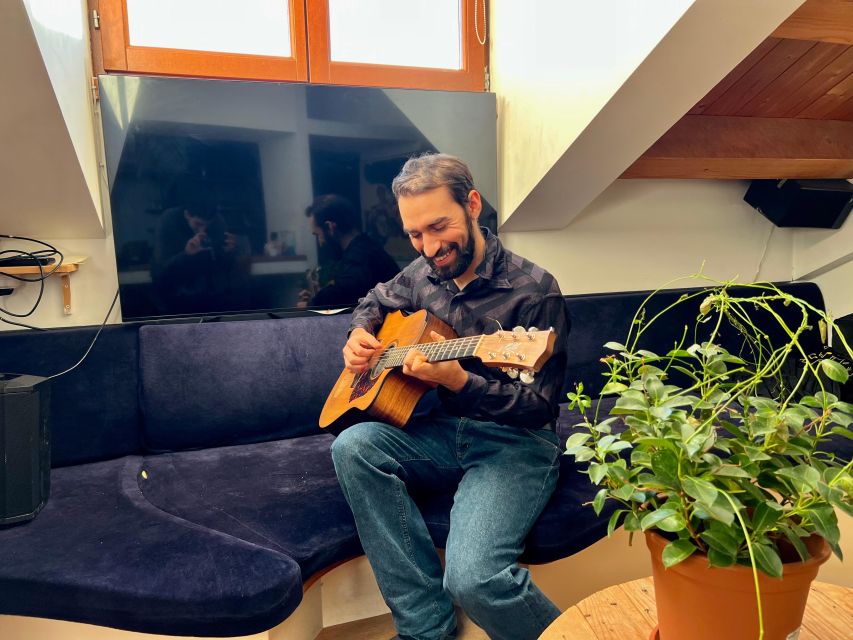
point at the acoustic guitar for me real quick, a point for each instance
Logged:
(385, 394)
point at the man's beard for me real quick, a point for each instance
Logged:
(464, 256)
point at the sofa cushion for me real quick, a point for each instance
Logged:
(231, 383)
(100, 553)
(282, 495)
(84, 427)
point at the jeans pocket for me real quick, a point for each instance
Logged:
(545, 435)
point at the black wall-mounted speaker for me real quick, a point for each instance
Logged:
(822, 204)
(24, 447)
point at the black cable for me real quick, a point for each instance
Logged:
(92, 344)
(35, 257)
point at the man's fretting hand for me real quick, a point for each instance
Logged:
(448, 374)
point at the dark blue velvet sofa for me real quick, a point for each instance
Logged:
(192, 492)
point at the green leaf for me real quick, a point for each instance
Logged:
(654, 387)
(616, 447)
(664, 519)
(731, 471)
(679, 401)
(825, 523)
(648, 355)
(804, 477)
(614, 521)
(842, 418)
(846, 407)
(624, 492)
(767, 559)
(677, 551)
(755, 454)
(797, 543)
(629, 404)
(661, 413)
(583, 455)
(577, 440)
(632, 522)
(597, 472)
(765, 516)
(615, 346)
(717, 558)
(679, 353)
(825, 399)
(712, 459)
(720, 510)
(845, 433)
(834, 370)
(701, 490)
(720, 542)
(598, 501)
(640, 458)
(613, 387)
(665, 467)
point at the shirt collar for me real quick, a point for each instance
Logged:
(492, 271)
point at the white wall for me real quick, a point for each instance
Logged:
(837, 288)
(825, 256)
(584, 88)
(61, 33)
(554, 65)
(640, 234)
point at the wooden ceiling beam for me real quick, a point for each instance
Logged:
(820, 20)
(734, 147)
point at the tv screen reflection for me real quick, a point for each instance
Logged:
(233, 197)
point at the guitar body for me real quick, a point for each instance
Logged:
(389, 396)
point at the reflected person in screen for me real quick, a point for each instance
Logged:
(490, 439)
(357, 262)
(199, 266)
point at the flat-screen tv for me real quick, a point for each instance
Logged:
(218, 187)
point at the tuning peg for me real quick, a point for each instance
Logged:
(527, 377)
(512, 372)
(530, 333)
(517, 332)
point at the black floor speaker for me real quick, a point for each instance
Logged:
(24, 447)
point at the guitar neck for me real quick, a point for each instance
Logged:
(454, 349)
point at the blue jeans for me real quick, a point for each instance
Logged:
(503, 476)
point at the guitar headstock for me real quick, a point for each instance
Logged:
(520, 349)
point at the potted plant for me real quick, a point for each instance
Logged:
(724, 460)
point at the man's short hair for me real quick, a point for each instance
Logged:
(333, 208)
(432, 171)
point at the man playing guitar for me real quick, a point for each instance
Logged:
(491, 438)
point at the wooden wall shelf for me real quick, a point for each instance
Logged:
(69, 265)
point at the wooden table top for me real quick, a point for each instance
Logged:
(627, 612)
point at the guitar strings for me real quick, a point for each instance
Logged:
(394, 357)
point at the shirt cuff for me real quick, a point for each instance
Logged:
(359, 325)
(468, 396)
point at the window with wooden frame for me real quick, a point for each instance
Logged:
(428, 44)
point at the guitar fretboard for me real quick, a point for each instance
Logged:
(454, 349)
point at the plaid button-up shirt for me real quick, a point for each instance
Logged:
(509, 291)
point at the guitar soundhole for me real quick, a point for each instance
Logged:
(364, 381)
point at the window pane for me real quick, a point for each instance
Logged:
(258, 27)
(411, 33)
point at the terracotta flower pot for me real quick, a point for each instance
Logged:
(699, 602)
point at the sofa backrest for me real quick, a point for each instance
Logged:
(224, 383)
(165, 387)
(603, 317)
(94, 409)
